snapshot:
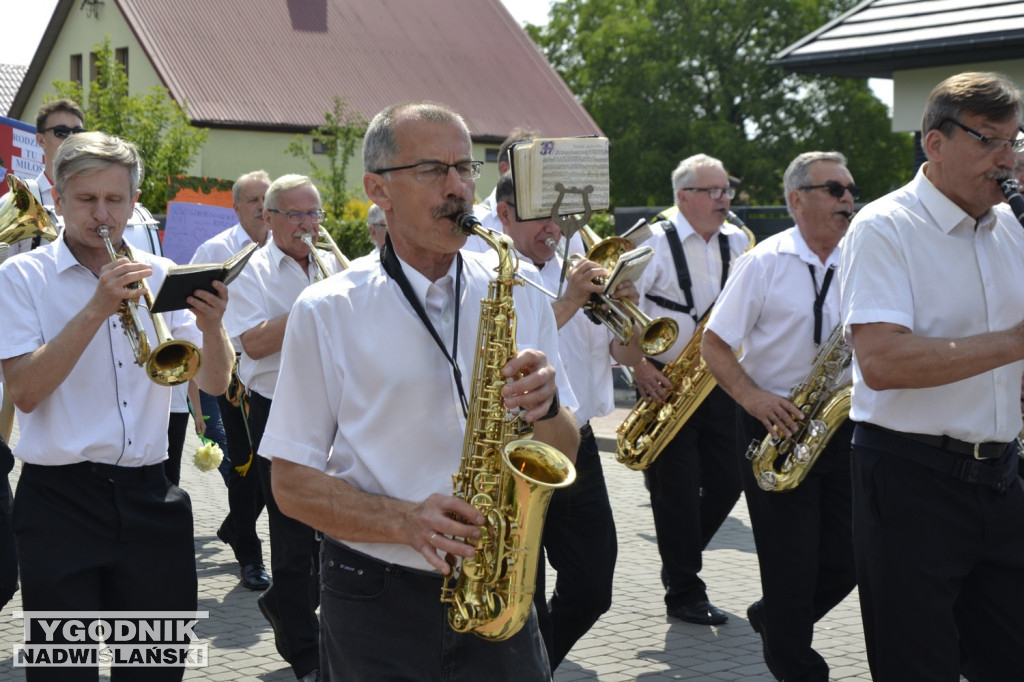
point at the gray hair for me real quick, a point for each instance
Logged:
(987, 94)
(236, 189)
(798, 173)
(687, 169)
(375, 216)
(380, 146)
(285, 183)
(90, 152)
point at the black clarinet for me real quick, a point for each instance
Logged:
(1012, 194)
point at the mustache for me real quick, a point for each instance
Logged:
(450, 207)
(1001, 174)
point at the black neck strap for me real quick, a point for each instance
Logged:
(393, 267)
(819, 298)
(675, 245)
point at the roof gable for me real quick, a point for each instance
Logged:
(11, 76)
(273, 64)
(878, 37)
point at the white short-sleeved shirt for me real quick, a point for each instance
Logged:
(106, 410)
(767, 308)
(363, 380)
(704, 262)
(916, 259)
(266, 288)
(583, 348)
(221, 247)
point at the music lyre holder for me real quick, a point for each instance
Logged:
(570, 224)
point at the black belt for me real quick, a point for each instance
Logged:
(149, 472)
(990, 464)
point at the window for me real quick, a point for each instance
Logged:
(76, 69)
(93, 70)
(121, 57)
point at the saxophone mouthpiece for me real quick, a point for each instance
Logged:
(733, 218)
(464, 222)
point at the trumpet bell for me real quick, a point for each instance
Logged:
(659, 335)
(173, 362)
(22, 216)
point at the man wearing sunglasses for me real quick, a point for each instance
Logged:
(55, 122)
(932, 302)
(779, 306)
(695, 482)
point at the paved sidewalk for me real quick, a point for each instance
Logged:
(633, 641)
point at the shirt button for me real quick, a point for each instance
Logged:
(124, 403)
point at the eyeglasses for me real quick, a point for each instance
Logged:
(714, 193)
(379, 226)
(991, 144)
(296, 217)
(61, 132)
(835, 189)
(435, 171)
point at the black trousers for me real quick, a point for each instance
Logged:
(294, 595)
(177, 425)
(8, 550)
(694, 484)
(940, 565)
(387, 622)
(805, 550)
(245, 494)
(580, 542)
(95, 537)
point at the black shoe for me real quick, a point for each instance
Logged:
(275, 624)
(226, 533)
(700, 612)
(254, 576)
(755, 615)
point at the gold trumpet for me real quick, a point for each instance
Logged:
(172, 362)
(324, 241)
(656, 335)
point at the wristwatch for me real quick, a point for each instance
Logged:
(553, 410)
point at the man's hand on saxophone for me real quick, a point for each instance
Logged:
(436, 527)
(652, 384)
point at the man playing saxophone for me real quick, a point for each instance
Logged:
(694, 483)
(99, 526)
(932, 303)
(371, 408)
(780, 303)
(261, 299)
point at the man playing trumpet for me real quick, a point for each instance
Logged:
(98, 525)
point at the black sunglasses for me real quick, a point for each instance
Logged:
(835, 189)
(61, 132)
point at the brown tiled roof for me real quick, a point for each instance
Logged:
(10, 80)
(273, 64)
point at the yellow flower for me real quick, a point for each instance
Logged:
(209, 456)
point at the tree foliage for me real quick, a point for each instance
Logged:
(154, 122)
(666, 79)
(340, 136)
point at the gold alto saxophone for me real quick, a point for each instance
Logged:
(825, 405)
(651, 425)
(505, 475)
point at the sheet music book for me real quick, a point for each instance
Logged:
(182, 280)
(630, 266)
(575, 163)
(639, 233)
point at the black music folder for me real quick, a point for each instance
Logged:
(182, 280)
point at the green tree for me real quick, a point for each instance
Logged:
(340, 136)
(153, 121)
(666, 79)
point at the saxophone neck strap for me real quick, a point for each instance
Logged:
(675, 245)
(393, 267)
(819, 298)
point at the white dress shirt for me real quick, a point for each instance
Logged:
(916, 259)
(704, 262)
(364, 381)
(767, 307)
(106, 410)
(266, 288)
(583, 348)
(221, 247)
